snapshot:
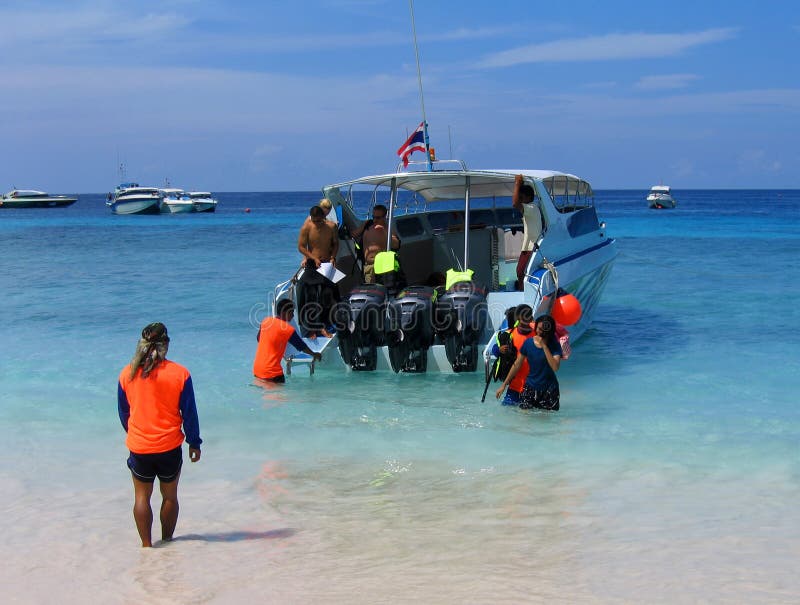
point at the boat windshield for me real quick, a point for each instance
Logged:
(569, 193)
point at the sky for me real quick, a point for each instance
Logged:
(264, 95)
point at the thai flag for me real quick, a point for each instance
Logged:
(416, 142)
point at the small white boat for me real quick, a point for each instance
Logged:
(452, 221)
(176, 201)
(130, 198)
(31, 198)
(203, 201)
(660, 197)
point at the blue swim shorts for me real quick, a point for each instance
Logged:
(511, 398)
(166, 466)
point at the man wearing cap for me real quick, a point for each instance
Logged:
(155, 398)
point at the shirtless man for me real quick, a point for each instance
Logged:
(374, 241)
(318, 243)
(318, 240)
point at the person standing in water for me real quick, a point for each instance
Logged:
(273, 335)
(155, 398)
(543, 354)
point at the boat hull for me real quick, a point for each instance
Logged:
(661, 204)
(585, 278)
(176, 207)
(136, 206)
(660, 199)
(204, 206)
(50, 202)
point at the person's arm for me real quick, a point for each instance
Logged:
(302, 244)
(554, 361)
(515, 201)
(511, 373)
(299, 344)
(191, 423)
(123, 407)
(395, 241)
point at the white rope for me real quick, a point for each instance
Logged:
(551, 268)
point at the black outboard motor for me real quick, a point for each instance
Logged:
(360, 321)
(409, 328)
(460, 319)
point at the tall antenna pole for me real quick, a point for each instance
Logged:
(421, 96)
(450, 138)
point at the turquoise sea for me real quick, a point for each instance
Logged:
(671, 473)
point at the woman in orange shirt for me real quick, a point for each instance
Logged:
(155, 398)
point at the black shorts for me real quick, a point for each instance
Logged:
(166, 466)
(280, 378)
(543, 398)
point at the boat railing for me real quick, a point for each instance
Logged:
(542, 281)
(285, 286)
(435, 165)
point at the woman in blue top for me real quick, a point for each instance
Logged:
(543, 353)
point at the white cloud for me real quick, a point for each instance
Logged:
(608, 47)
(72, 27)
(665, 82)
(758, 160)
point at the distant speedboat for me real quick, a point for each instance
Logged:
(202, 201)
(129, 198)
(176, 201)
(660, 197)
(30, 198)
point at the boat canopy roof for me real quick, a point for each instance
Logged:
(25, 193)
(141, 190)
(660, 189)
(449, 185)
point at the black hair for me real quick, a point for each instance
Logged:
(548, 324)
(380, 207)
(511, 316)
(282, 305)
(316, 212)
(527, 190)
(524, 313)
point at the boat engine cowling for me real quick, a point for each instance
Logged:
(360, 322)
(409, 328)
(459, 320)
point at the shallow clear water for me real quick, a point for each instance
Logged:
(671, 472)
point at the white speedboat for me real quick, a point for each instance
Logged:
(456, 226)
(176, 201)
(660, 197)
(203, 201)
(30, 198)
(129, 198)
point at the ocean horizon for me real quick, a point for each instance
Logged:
(671, 473)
